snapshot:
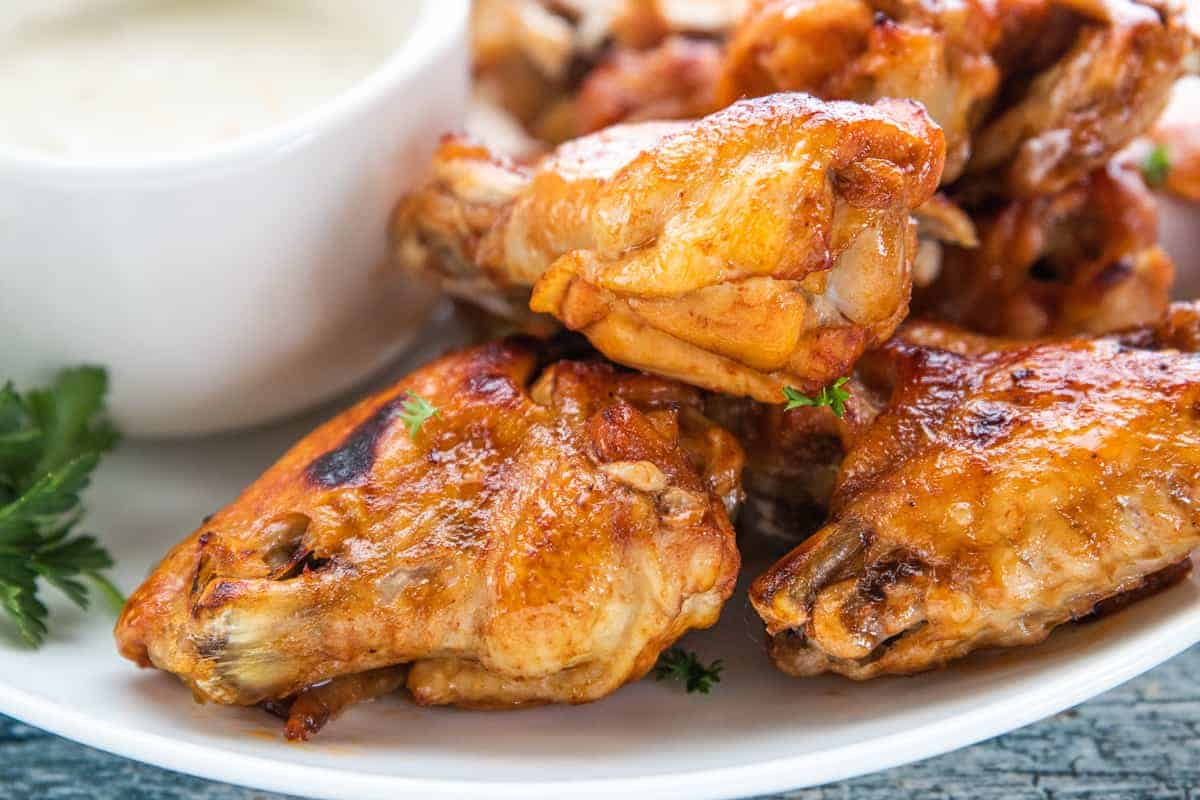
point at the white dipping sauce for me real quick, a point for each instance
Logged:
(97, 79)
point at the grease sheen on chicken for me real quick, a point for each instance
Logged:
(935, 53)
(766, 245)
(1033, 94)
(1006, 488)
(1082, 260)
(530, 57)
(529, 544)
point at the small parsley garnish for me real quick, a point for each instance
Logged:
(415, 411)
(51, 440)
(1156, 166)
(833, 396)
(683, 666)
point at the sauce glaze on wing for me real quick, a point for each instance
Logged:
(768, 244)
(1032, 94)
(535, 541)
(1001, 493)
(1082, 260)
(936, 53)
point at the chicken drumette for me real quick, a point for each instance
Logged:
(533, 59)
(1081, 79)
(1082, 260)
(1033, 94)
(1006, 488)
(540, 539)
(766, 245)
(935, 53)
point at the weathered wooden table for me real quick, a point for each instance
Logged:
(1141, 740)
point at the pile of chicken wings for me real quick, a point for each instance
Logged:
(875, 279)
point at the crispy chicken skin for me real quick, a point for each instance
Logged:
(1095, 74)
(793, 456)
(1003, 491)
(674, 80)
(934, 53)
(766, 245)
(530, 57)
(438, 231)
(541, 539)
(1083, 260)
(1032, 94)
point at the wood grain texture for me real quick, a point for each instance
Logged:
(1140, 741)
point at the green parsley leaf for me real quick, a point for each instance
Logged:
(69, 417)
(833, 396)
(415, 411)
(51, 441)
(1156, 166)
(20, 442)
(683, 666)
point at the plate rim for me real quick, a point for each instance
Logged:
(1053, 694)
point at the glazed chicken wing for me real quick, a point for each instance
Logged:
(1032, 94)
(766, 245)
(530, 57)
(1092, 74)
(934, 53)
(539, 539)
(1003, 491)
(792, 457)
(674, 80)
(1083, 260)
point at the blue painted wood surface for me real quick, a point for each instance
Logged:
(1140, 741)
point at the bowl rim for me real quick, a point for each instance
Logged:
(439, 25)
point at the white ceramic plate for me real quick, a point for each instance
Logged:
(758, 732)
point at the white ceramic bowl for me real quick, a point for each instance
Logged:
(242, 283)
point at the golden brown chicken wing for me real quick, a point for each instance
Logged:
(1003, 491)
(934, 53)
(677, 79)
(644, 23)
(530, 56)
(522, 55)
(534, 541)
(1083, 260)
(1082, 79)
(768, 244)
(1032, 94)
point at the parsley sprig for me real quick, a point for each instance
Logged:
(684, 666)
(415, 411)
(1156, 166)
(833, 396)
(51, 440)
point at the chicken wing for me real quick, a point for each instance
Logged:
(1092, 74)
(766, 245)
(1083, 260)
(1032, 94)
(674, 80)
(522, 55)
(1003, 491)
(534, 541)
(934, 53)
(531, 55)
